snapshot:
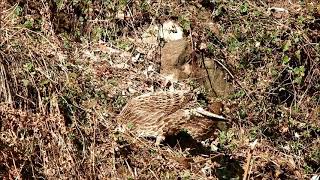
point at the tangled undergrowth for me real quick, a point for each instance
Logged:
(62, 85)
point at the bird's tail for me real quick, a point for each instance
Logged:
(209, 114)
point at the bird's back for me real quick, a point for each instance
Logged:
(150, 114)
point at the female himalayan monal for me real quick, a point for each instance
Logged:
(161, 114)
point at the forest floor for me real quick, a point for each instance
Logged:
(67, 68)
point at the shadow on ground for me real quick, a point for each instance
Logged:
(229, 167)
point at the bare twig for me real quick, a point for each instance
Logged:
(224, 67)
(154, 174)
(129, 168)
(247, 167)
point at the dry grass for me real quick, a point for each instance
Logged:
(61, 89)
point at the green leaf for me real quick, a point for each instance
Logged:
(301, 20)
(28, 67)
(299, 70)
(28, 24)
(186, 24)
(25, 82)
(299, 73)
(18, 11)
(238, 94)
(130, 125)
(286, 46)
(244, 8)
(211, 48)
(60, 4)
(298, 54)
(242, 113)
(285, 59)
(218, 11)
(44, 82)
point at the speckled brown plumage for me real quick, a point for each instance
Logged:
(164, 113)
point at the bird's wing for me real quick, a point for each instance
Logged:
(199, 127)
(151, 108)
(165, 102)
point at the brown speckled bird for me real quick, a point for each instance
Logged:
(162, 114)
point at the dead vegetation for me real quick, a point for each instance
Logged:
(67, 70)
